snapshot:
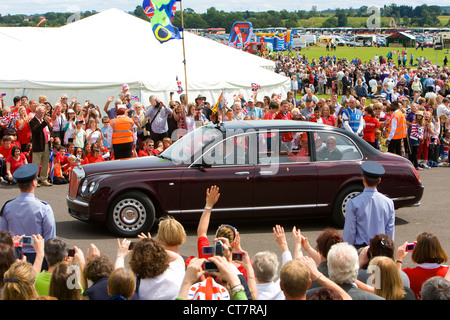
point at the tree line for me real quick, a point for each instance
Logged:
(408, 16)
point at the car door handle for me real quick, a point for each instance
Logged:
(242, 173)
(266, 173)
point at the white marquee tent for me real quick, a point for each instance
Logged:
(91, 59)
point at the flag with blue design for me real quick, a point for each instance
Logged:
(220, 104)
(161, 13)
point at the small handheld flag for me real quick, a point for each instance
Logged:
(255, 87)
(180, 88)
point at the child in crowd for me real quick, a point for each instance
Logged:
(415, 137)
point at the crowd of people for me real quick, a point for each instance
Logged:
(395, 108)
(155, 268)
(399, 109)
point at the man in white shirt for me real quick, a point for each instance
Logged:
(443, 108)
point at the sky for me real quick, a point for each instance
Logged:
(42, 6)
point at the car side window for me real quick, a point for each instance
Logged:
(283, 147)
(231, 151)
(335, 147)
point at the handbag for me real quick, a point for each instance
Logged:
(148, 125)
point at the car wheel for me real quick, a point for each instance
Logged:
(340, 204)
(130, 214)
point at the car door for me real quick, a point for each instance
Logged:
(229, 164)
(285, 177)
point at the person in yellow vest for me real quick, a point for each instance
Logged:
(397, 130)
(122, 134)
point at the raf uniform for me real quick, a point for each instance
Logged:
(27, 215)
(369, 213)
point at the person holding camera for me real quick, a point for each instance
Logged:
(93, 133)
(157, 114)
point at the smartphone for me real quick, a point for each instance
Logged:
(410, 247)
(237, 256)
(28, 240)
(71, 252)
(18, 251)
(131, 246)
(209, 266)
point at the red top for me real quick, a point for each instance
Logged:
(287, 136)
(5, 152)
(372, 124)
(418, 275)
(23, 135)
(143, 153)
(16, 163)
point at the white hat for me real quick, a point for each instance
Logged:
(70, 111)
(122, 106)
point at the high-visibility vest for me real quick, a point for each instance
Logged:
(354, 118)
(401, 130)
(122, 130)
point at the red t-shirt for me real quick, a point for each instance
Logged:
(372, 124)
(5, 152)
(143, 153)
(24, 135)
(287, 136)
(16, 164)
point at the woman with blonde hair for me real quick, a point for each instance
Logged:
(387, 281)
(18, 282)
(171, 234)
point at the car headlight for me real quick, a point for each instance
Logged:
(88, 187)
(84, 186)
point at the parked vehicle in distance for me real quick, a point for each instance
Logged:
(264, 169)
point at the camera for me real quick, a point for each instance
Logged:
(237, 256)
(131, 246)
(158, 103)
(18, 250)
(28, 240)
(410, 247)
(216, 250)
(71, 252)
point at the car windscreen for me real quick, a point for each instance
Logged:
(192, 145)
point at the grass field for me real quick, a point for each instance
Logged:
(368, 53)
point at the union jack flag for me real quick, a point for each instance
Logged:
(255, 87)
(10, 117)
(244, 110)
(149, 9)
(278, 97)
(180, 88)
(135, 98)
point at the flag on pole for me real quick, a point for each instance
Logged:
(219, 104)
(161, 13)
(180, 88)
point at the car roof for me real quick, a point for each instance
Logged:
(274, 124)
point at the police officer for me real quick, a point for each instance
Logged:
(27, 215)
(369, 213)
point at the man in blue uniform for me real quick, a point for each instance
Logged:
(369, 213)
(27, 215)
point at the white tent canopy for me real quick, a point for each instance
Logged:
(93, 57)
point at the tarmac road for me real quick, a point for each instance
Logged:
(431, 216)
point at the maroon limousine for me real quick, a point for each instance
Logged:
(263, 168)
